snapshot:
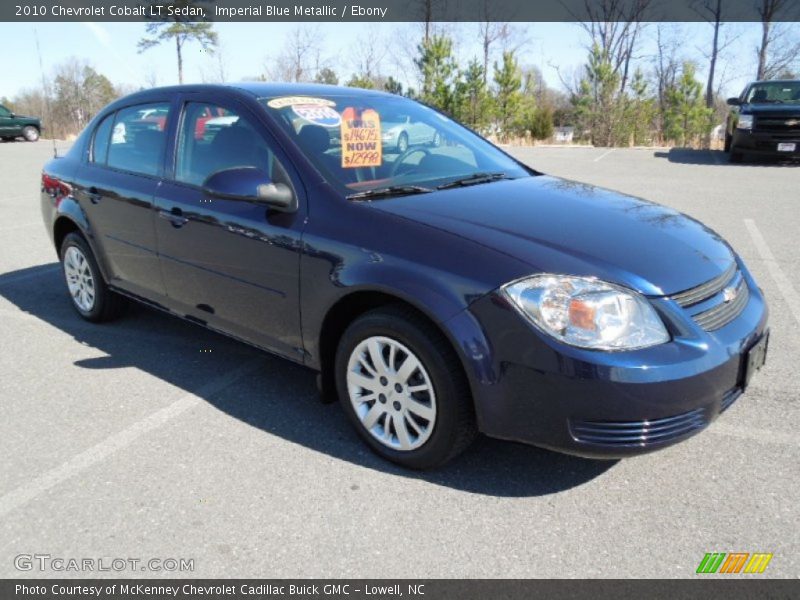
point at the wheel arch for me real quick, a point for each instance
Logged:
(356, 303)
(69, 221)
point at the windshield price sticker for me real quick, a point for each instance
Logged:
(299, 101)
(317, 114)
(361, 138)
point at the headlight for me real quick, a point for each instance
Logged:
(745, 122)
(587, 313)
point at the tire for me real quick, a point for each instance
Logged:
(90, 296)
(8, 139)
(735, 156)
(30, 133)
(428, 426)
(728, 140)
(402, 142)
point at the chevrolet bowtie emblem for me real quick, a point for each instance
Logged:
(728, 294)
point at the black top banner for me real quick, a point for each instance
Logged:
(391, 10)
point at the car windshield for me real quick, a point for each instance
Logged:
(370, 145)
(779, 92)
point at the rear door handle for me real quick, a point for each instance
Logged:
(174, 216)
(94, 195)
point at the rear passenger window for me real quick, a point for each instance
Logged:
(213, 139)
(100, 141)
(138, 138)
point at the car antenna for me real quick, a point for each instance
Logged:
(45, 91)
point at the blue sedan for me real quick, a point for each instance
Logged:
(439, 290)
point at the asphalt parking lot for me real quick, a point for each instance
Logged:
(153, 438)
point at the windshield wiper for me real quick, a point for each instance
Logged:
(389, 192)
(473, 179)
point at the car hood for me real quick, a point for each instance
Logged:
(770, 108)
(559, 226)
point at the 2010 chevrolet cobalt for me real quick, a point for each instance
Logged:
(438, 286)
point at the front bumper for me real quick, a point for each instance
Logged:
(765, 142)
(532, 389)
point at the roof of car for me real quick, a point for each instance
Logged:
(264, 89)
(775, 81)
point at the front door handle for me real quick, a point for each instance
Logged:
(174, 216)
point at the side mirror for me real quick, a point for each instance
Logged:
(734, 101)
(250, 184)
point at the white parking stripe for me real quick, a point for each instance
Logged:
(99, 452)
(603, 155)
(784, 285)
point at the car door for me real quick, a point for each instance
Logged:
(6, 122)
(231, 264)
(116, 186)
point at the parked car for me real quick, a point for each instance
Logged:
(400, 131)
(764, 119)
(438, 292)
(13, 126)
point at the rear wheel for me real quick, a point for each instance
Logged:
(402, 387)
(90, 295)
(30, 133)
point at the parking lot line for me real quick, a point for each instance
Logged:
(99, 452)
(784, 285)
(603, 155)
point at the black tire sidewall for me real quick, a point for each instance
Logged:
(439, 446)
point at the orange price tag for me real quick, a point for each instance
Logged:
(361, 138)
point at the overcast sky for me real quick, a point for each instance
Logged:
(247, 47)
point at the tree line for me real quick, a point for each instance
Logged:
(618, 97)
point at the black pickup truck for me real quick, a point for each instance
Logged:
(13, 126)
(765, 119)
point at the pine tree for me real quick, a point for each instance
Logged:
(181, 32)
(687, 117)
(508, 97)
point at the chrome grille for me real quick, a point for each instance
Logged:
(639, 433)
(724, 306)
(778, 123)
(724, 313)
(729, 399)
(706, 290)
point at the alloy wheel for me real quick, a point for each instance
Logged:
(80, 280)
(391, 393)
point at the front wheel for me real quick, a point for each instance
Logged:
(89, 293)
(30, 133)
(402, 387)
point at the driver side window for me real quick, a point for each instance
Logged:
(213, 138)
